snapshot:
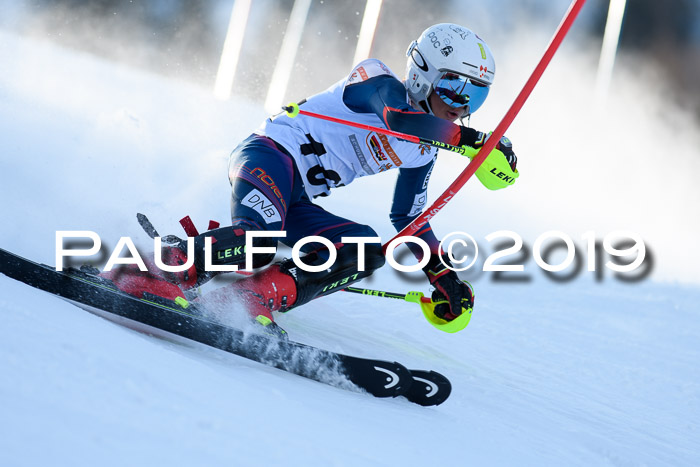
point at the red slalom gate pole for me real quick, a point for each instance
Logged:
(500, 130)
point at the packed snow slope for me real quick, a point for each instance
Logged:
(591, 370)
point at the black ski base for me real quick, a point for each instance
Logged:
(377, 377)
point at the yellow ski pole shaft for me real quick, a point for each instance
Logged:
(427, 307)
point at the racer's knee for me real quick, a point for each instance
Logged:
(373, 254)
(374, 257)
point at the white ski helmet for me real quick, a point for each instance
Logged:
(453, 61)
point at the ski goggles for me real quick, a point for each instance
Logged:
(458, 90)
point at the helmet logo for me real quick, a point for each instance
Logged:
(462, 33)
(415, 55)
(483, 52)
(433, 38)
(446, 50)
(483, 70)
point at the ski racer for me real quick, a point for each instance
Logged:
(277, 172)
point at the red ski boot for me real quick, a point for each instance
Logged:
(261, 294)
(131, 280)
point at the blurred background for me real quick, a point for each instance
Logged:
(184, 38)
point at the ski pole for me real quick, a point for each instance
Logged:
(427, 307)
(413, 297)
(293, 110)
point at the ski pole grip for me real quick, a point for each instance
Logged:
(292, 109)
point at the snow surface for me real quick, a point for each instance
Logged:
(589, 371)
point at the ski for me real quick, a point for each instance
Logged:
(98, 295)
(428, 388)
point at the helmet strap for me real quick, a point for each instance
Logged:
(423, 105)
(426, 106)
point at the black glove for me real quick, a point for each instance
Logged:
(506, 147)
(471, 137)
(448, 288)
(476, 139)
